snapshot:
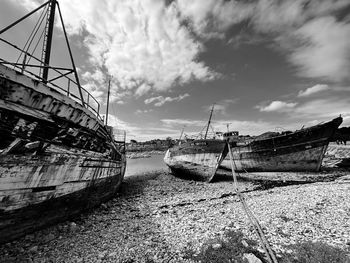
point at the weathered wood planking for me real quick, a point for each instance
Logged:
(198, 159)
(18, 222)
(18, 172)
(28, 106)
(37, 190)
(56, 157)
(302, 150)
(22, 90)
(197, 166)
(306, 160)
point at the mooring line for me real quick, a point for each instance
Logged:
(265, 244)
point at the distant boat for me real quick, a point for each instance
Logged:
(197, 159)
(302, 150)
(57, 156)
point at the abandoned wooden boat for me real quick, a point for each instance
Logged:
(302, 150)
(57, 156)
(197, 159)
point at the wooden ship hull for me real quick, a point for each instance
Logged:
(197, 159)
(57, 156)
(302, 150)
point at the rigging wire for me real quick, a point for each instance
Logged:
(265, 244)
(39, 40)
(32, 34)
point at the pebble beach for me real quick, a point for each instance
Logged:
(156, 217)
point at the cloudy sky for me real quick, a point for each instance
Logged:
(265, 64)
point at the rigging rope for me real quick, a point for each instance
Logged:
(266, 246)
(33, 34)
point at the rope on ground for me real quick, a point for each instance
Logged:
(265, 244)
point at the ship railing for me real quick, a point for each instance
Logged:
(120, 138)
(72, 88)
(201, 136)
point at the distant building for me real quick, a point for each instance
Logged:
(231, 136)
(156, 144)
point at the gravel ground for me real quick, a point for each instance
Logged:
(156, 216)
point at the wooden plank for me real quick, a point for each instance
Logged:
(8, 105)
(18, 222)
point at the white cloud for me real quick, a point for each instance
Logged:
(310, 111)
(211, 18)
(314, 89)
(29, 4)
(346, 120)
(316, 42)
(221, 106)
(138, 132)
(279, 106)
(182, 122)
(142, 89)
(143, 111)
(95, 92)
(325, 49)
(160, 100)
(147, 41)
(323, 108)
(119, 125)
(139, 41)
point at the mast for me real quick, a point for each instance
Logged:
(46, 50)
(211, 114)
(182, 131)
(109, 89)
(48, 37)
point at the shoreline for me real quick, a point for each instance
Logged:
(143, 154)
(157, 216)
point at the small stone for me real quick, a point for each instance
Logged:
(104, 206)
(33, 249)
(102, 255)
(29, 237)
(27, 244)
(112, 255)
(289, 251)
(261, 250)
(252, 258)
(216, 246)
(48, 238)
(244, 243)
(73, 226)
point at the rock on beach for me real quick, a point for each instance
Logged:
(156, 217)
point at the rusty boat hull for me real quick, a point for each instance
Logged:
(197, 159)
(57, 157)
(302, 150)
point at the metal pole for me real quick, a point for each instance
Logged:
(109, 88)
(49, 40)
(211, 114)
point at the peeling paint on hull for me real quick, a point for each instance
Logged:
(26, 219)
(197, 159)
(57, 158)
(307, 160)
(302, 150)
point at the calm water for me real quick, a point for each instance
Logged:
(144, 165)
